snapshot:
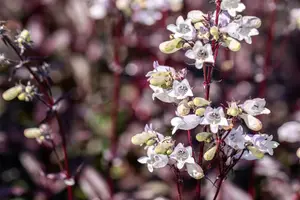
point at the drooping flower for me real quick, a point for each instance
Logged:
(181, 89)
(214, 117)
(264, 143)
(255, 107)
(183, 29)
(182, 155)
(252, 122)
(202, 54)
(232, 6)
(243, 28)
(154, 160)
(187, 122)
(194, 170)
(236, 138)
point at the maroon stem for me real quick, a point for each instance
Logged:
(50, 103)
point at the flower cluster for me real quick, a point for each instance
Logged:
(146, 12)
(231, 132)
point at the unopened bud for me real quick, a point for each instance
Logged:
(203, 136)
(150, 142)
(200, 112)
(183, 109)
(199, 102)
(214, 31)
(12, 93)
(210, 154)
(32, 133)
(252, 122)
(171, 46)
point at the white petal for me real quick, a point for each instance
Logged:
(190, 54)
(179, 20)
(190, 160)
(266, 111)
(172, 28)
(214, 128)
(241, 7)
(223, 122)
(143, 160)
(150, 168)
(180, 164)
(199, 64)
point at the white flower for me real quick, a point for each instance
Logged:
(202, 54)
(236, 138)
(181, 90)
(233, 6)
(214, 117)
(255, 107)
(182, 155)
(154, 160)
(146, 17)
(289, 132)
(162, 94)
(196, 15)
(252, 122)
(195, 170)
(295, 18)
(243, 29)
(264, 143)
(187, 122)
(183, 29)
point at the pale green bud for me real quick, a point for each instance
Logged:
(171, 46)
(257, 153)
(199, 102)
(191, 104)
(232, 44)
(203, 136)
(164, 148)
(198, 25)
(141, 138)
(12, 93)
(200, 112)
(183, 109)
(210, 154)
(24, 36)
(32, 133)
(170, 151)
(22, 96)
(150, 142)
(214, 31)
(233, 111)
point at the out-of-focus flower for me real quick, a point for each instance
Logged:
(183, 29)
(233, 6)
(194, 170)
(98, 9)
(236, 138)
(154, 160)
(202, 54)
(185, 123)
(214, 117)
(289, 132)
(196, 16)
(255, 107)
(295, 18)
(182, 155)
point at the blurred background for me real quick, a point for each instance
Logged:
(98, 52)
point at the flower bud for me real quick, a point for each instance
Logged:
(257, 153)
(198, 25)
(12, 93)
(170, 151)
(232, 44)
(203, 136)
(233, 111)
(22, 96)
(183, 109)
(214, 31)
(210, 154)
(252, 122)
(199, 102)
(32, 133)
(161, 79)
(164, 148)
(150, 142)
(200, 112)
(24, 36)
(171, 46)
(191, 104)
(141, 138)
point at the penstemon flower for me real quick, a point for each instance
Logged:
(214, 117)
(181, 89)
(154, 160)
(264, 143)
(185, 123)
(233, 6)
(202, 54)
(255, 107)
(183, 29)
(182, 155)
(236, 138)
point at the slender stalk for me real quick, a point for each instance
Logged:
(179, 195)
(50, 102)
